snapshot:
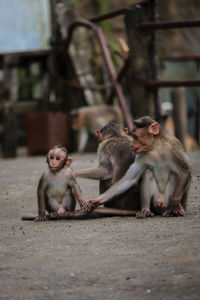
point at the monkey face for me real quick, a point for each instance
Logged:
(142, 140)
(56, 159)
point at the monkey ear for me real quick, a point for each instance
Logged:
(100, 137)
(69, 161)
(126, 130)
(154, 128)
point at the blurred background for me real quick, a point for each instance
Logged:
(58, 56)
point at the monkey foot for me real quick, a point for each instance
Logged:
(41, 219)
(175, 212)
(144, 214)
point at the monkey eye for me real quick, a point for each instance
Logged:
(134, 136)
(51, 157)
(57, 157)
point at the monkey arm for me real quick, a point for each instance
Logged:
(99, 173)
(77, 193)
(129, 179)
(176, 207)
(182, 170)
(180, 188)
(41, 199)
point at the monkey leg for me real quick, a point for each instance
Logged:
(174, 206)
(177, 211)
(161, 201)
(148, 190)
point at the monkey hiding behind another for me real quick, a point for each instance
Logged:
(115, 157)
(58, 190)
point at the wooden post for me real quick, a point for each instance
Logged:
(60, 63)
(179, 113)
(9, 144)
(143, 59)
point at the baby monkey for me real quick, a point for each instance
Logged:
(58, 190)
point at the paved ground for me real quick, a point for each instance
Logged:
(115, 258)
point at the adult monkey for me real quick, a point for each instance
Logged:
(87, 118)
(115, 157)
(162, 165)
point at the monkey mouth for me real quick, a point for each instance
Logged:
(54, 168)
(137, 150)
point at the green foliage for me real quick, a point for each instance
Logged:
(74, 1)
(103, 7)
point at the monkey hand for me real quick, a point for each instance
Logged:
(84, 205)
(175, 211)
(41, 218)
(95, 203)
(144, 213)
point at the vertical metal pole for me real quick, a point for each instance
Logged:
(153, 53)
(180, 117)
(197, 133)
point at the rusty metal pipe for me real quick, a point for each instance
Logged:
(120, 76)
(108, 15)
(168, 24)
(186, 57)
(108, 62)
(91, 87)
(171, 83)
(115, 13)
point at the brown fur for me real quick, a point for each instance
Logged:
(88, 118)
(115, 157)
(162, 166)
(57, 189)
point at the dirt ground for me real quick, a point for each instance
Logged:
(108, 258)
